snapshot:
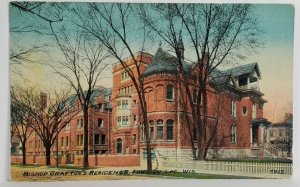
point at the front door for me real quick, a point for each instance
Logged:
(254, 135)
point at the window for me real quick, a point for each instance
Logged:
(97, 139)
(195, 96)
(103, 139)
(133, 139)
(62, 141)
(233, 108)
(100, 107)
(119, 120)
(67, 127)
(244, 110)
(253, 79)
(100, 123)
(243, 81)
(280, 133)
(125, 104)
(79, 140)
(67, 140)
(143, 133)
(125, 120)
(271, 133)
(125, 75)
(151, 134)
(170, 92)
(261, 105)
(160, 130)
(79, 123)
(195, 134)
(233, 133)
(170, 129)
(253, 110)
(119, 146)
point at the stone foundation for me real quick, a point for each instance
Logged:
(228, 153)
(176, 155)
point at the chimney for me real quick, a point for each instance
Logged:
(43, 100)
(181, 47)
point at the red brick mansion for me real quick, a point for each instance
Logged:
(114, 118)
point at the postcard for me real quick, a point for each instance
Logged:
(131, 91)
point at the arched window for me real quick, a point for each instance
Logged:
(160, 130)
(151, 126)
(170, 129)
(233, 133)
(119, 146)
(170, 92)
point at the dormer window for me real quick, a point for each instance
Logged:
(253, 79)
(243, 81)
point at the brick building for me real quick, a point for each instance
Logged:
(235, 108)
(241, 130)
(70, 139)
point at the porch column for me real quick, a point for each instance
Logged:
(251, 140)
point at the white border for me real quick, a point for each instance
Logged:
(4, 114)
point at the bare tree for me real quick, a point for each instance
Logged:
(83, 58)
(27, 10)
(217, 33)
(111, 24)
(48, 113)
(82, 68)
(20, 124)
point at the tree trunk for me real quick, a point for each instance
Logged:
(24, 153)
(85, 138)
(199, 126)
(204, 109)
(148, 143)
(48, 155)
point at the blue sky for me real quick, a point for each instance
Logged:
(275, 59)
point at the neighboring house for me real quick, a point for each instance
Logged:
(15, 145)
(280, 135)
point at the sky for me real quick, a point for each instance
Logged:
(275, 60)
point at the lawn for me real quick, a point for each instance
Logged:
(44, 173)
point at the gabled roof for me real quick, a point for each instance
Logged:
(244, 70)
(164, 62)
